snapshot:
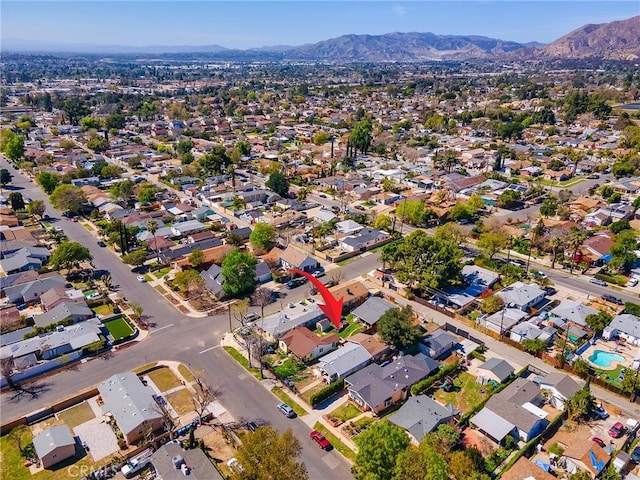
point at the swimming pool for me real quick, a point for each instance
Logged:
(604, 359)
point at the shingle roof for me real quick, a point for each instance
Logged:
(344, 359)
(371, 310)
(301, 341)
(573, 311)
(500, 368)
(625, 323)
(520, 293)
(421, 415)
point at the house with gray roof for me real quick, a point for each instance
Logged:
(438, 343)
(185, 228)
(169, 459)
(421, 415)
(513, 411)
(522, 295)
(276, 325)
(561, 386)
(348, 227)
(494, 370)
(213, 280)
(625, 326)
(54, 445)
(502, 320)
(132, 405)
(377, 388)
(27, 258)
(29, 292)
(367, 238)
(371, 310)
(475, 275)
(76, 311)
(574, 312)
(531, 330)
(340, 363)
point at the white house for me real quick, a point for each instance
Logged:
(561, 387)
(624, 326)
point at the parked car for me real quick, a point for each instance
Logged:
(296, 282)
(251, 316)
(322, 195)
(599, 441)
(320, 440)
(597, 281)
(632, 282)
(635, 455)
(101, 243)
(593, 176)
(517, 263)
(539, 275)
(600, 412)
(610, 298)
(318, 273)
(286, 410)
(550, 291)
(616, 430)
(141, 278)
(621, 374)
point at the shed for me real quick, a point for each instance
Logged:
(54, 445)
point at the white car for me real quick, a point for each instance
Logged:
(141, 279)
(632, 282)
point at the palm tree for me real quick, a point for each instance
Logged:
(575, 241)
(152, 228)
(557, 244)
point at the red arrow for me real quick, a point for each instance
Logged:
(332, 308)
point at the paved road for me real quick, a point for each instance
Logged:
(192, 341)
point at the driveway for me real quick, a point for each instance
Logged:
(99, 436)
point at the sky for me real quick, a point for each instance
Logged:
(246, 24)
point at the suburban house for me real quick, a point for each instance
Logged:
(352, 293)
(171, 462)
(348, 227)
(373, 344)
(213, 280)
(185, 228)
(525, 469)
(494, 370)
(502, 320)
(377, 388)
(561, 386)
(421, 415)
(513, 411)
(479, 277)
(342, 362)
(306, 345)
(531, 330)
(55, 296)
(585, 454)
(275, 326)
(132, 406)
(295, 258)
(521, 295)
(438, 343)
(624, 326)
(371, 310)
(573, 312)
(75, 311)
(54, 445)
(324, 216)
(365, 239)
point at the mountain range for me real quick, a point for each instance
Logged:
(618, 40)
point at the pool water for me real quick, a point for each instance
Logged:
(604, 359)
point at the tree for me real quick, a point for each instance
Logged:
(16, 201)
(534, 346)
(508, 198)
(216, 160)
(598, 321)
(580, 475)
(135, 258)
(146, 194)
(360, 138)
(617, 227)
(610, 473)
(383, 222)
(98, 143)
(152, 228)
(136, 308)
(411, 464)
(109, 171)
(460, 211)
(278, 183)
(462, 466)
(238, 271)
(396, 328)
(623, 250)
(492, 242)
(549, 207)
(628, 383)
(262, 236)
(580, 405)
(267, 454)
(491, 304)
(68, 255)
(196, 258)
(36, 208)
(91, 123)
(75, 109)
(13, 146)
(68, 198)
(184, 278)
(48, 181)
(557, 245)
(234, 239)
(5, 177)
(116, 121)
(378, 449)
(121, 191)
(6, 369)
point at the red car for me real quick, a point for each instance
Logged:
(599, 441)
(616, 430)
(320, 440)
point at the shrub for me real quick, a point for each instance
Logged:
(326, 392)
(423, 385)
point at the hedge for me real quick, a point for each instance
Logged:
(326, 392)
(423, 385)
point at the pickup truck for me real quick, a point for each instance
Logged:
(136, 464)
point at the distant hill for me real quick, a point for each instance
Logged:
(402, 47)
(619, 40)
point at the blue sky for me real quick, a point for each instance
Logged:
(245, 24)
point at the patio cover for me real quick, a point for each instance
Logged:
(492, 424)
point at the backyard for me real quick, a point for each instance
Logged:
(345, 412)
(466, 393)
(119, 328)
(353, 328)
(77, 415)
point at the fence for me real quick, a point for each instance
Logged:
(424, 302)
(463, 333)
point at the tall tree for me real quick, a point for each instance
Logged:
(69, 255)
(48, 181)
(75, 109)
(36, 208)
(5, 177)
(16, 201)
(238, 271)
(378, 448)
(278, 183)
(68, 198)
(267, 454)
(581, 404)
(13, 146)
(152, 228)
(396, 328)
(262, 236)
(121, 191)
(557, 245)
(574, 242)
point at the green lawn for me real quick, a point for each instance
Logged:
(77, 415)
(345, 412)
(306, 396)
(104, 310)
(465, 395)
(238, 357)
(162, 272)
(284, 397)
(181, 401)
(288, 368)
(148, 277)
(164, 379)
(353, 328)
(186, 373)
(338, 444)
(144, 368)
(119, 328)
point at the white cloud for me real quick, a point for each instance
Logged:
(399, 11)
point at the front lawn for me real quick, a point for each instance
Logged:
(288, 368)
(465, 394)
(186, 373)
(103, 310)
(119, 328)
(162, 272)
(338, 444)
(238, 357)
(181, 401)
(77, 415)
(284, 397)
(164, 379)
(345, 412)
